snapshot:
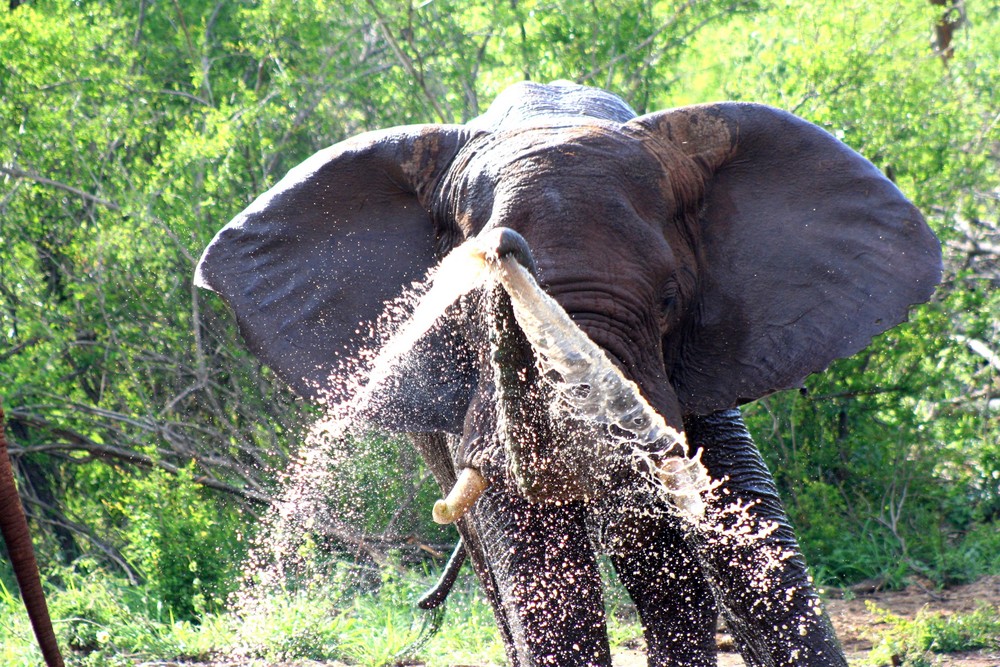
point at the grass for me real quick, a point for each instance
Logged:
(102, 621)
(373, 627)
(912, 642)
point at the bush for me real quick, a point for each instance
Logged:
(102, 620)
(910, 643)
(340, 622)
(186, 546)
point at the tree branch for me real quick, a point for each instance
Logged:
(407, 62)
(72, 442)
(17, 349)
(980, 348)
(18, 173)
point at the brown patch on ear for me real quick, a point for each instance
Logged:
(699, 132)
(689, 147)
(422, 168)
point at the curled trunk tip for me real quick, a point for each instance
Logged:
(498, 243)
(469, 486)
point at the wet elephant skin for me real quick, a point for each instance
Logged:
(716, 253)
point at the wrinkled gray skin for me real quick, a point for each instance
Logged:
(716, 253)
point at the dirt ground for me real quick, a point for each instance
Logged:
(857, 626)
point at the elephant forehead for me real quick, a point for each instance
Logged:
(553, 170)
(573, 151)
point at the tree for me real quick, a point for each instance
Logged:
(130, 132)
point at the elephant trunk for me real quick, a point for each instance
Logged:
(593, 392)
(491, 248)
(14, 527)
(502, 242)
(541, 457)
(544, 364)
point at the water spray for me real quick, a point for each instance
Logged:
(591, 386)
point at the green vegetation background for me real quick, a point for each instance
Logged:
(148, 444)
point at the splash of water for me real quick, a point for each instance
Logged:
(593, 389)
(460, 272)
(588, 385)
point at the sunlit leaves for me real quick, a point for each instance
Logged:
(130, 132)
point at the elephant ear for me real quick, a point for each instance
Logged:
(806, 252)
(310, 265)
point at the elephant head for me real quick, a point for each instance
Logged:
(14, 527)
(716, 253)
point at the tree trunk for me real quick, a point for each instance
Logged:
(951, 20)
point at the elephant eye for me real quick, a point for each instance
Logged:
(668, 298)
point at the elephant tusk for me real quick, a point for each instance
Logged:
(469, 486)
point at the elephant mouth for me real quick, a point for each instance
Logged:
(587, 389)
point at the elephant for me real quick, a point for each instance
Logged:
(715, 253)
(14, 527)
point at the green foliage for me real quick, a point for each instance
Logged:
(104, 617)
(16, 645)
(109, 164)
(386, 487)
(186, 547)
(911, 642)
(109, 622)
(130, 132)
(887, 463)
(337, 620)
(102, 620)
(971, 555)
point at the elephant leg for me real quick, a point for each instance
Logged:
(545, 571)
(14, 527)
(665, 581)
(759, 577)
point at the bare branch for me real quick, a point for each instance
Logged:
(17, 349)
(18, 173)
(980, 348)
(407, 62)
(71, 442)
(55, 518)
